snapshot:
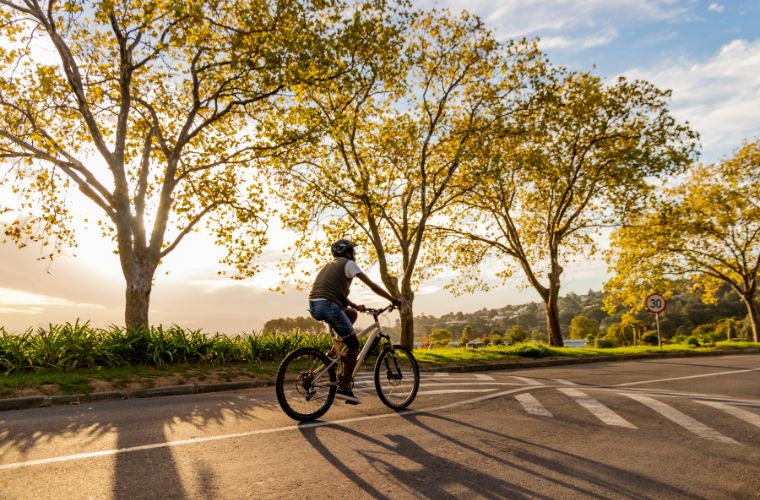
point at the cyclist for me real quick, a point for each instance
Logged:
(328, 302)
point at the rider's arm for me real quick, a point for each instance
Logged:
(375, 287)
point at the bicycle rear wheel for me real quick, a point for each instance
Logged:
(397, 377)
(306, 384)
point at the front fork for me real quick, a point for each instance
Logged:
(394, 372)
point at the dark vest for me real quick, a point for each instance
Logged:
(331, 283)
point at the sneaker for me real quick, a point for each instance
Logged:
(348, 396)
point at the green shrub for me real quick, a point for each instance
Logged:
(679, 339)
(530, 350)
(605, 343)
(649, 337)
(692, 341)
(71, 346)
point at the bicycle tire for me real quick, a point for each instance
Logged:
(312, 360)
(411, 370)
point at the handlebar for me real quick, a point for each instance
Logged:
(377, 312)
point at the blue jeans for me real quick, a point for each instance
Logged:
(333, 315)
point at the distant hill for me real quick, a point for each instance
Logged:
(685, 312)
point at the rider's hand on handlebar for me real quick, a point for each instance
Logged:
(361, 307)
(398, 301)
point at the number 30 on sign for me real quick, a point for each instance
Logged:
(655, 303)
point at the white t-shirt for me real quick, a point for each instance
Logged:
(352, 269)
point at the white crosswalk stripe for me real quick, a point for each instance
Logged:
(741, 413)
(531, 405)
(527, 380)
(453, 391)
(681, 419)
(482, 376)
(564, 382)
(440, 375)
(598, 409)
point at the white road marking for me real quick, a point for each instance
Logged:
(424, 383)
(482, 376)
(741, 413)
(598, 409)
(532, 405)
(563, 382)
(452, 391)
(733, 372)
(682, 419)
(440, 374)
(237, 435)
(527, 380)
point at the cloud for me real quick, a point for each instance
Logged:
(720, 96)
(514, 18)
(26, 301)
(559, 42)
(716, 7)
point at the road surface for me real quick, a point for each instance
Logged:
(667, 428)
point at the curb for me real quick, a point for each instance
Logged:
(28, 402)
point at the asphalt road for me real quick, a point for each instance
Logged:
(668, 428)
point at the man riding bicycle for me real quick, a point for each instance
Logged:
(328, 302)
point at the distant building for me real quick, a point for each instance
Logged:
(574, 342)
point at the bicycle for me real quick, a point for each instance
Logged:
(307, 377)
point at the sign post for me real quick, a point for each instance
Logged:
(655, 304)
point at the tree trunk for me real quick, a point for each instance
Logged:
(752, 315)
(552, 319)
(551, 301)
(406, 315)
(139, 286)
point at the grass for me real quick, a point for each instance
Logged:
(83, 381)
(460, 355)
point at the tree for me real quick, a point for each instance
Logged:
(586, 156)
(620, 334)
(303, 323)
(466, 336)
(439, 337)
(398, 131)
(706, 228)
(150, 110)
(517, 334)
(582, 327)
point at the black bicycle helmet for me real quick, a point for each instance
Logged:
(343, 248)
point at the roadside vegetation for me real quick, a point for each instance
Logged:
(78, 358)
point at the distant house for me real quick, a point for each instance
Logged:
(473, 344)
(575, 342)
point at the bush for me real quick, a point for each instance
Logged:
(72, 346)
(679, 339)
(530, 350)
(497, 339)
(605, 343)
(649, 337)
(692, 341)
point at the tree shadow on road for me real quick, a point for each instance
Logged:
(579, 474)
(481, 465)
(125, 426)
(412, 468)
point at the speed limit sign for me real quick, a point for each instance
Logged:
(655, 303)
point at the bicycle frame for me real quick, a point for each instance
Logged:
(374, 331)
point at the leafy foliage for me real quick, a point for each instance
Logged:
(706, 229)
(73, 346)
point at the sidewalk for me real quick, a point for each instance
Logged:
(21, 403)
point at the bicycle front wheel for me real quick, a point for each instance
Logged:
(397, 377)
(306, 384)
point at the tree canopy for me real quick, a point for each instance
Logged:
(705, 228)
(153, 110)
(584, 156)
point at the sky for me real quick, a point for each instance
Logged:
(707, 53)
